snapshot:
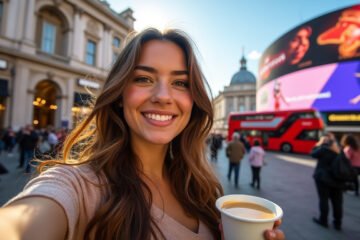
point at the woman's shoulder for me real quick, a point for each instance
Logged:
(71, 173)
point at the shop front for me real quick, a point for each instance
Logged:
(4, 93)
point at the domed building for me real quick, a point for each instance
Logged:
(239, 96)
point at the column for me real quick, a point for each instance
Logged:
(236, 104)
(12, 19)
(29, 23)
(106, 46)
(68, 102)
(22, 101)
(77, 36)
(247, 103)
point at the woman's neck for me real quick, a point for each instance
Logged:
(152, 158)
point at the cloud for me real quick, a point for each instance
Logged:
(254, 55)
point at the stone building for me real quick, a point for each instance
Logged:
(52, 52)
(239, 96)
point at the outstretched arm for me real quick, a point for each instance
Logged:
(33, 218)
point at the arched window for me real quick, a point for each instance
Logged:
(52, 32)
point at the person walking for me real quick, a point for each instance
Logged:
(29, 143)
(235, 151)
(9, 140)
(215, 145)
(328, 189)
(351, 148)
(256, 158)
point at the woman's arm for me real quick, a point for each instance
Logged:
(33, 218)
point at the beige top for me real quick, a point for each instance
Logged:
(73, 188)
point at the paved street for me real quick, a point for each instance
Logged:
(286, 180)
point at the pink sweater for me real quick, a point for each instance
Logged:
(74, 188)
(256, 156)
(353, 156)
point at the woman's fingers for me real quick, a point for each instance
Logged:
(274, 234)
(222, 232)
(277, 223)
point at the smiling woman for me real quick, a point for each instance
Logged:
(140, 154)
(135, 168)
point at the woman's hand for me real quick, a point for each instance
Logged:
(275, 233)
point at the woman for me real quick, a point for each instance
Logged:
(140, 170)
(325, 151)
(351, 149)
(256, 158)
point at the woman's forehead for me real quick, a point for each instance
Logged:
(161, 50)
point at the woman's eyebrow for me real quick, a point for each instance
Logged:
(146, 68)
(153, 70)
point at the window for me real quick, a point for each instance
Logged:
(309, 135)
(90, 52)
(116, 48)
(48, 37)
(116, 42)
(241, 108)
(114, 57)
(1, 12)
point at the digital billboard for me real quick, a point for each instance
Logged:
(330, 87)
(315, 65)
(331, 38)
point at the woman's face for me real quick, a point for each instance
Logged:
(298, 46)
(157, 102)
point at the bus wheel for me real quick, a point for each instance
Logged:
(286, 147)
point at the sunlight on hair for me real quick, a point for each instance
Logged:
(160, 20)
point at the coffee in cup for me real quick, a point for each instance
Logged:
(247, 210)
(246, 217)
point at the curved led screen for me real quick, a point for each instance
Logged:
(331, 38)
(330, 87)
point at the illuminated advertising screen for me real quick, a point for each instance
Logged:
(315, 65)
(331, 38)
(330, 87)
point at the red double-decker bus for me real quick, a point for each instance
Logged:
(288, 131)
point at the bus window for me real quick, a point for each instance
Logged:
(309, 135)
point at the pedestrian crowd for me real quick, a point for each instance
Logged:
(31, 143)
(336, 171)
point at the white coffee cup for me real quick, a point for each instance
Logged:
(246, 228)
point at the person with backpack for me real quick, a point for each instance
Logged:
(351, 148)
(328, 188)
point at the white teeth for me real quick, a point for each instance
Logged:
(158, 117)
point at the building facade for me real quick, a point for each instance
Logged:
(239, 96)
(55, 54)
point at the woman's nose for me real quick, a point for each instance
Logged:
(162, 93)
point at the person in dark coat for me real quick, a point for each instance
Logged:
(29, 142)
(215, 145)
(325, 151)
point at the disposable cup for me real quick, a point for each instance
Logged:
(246, 228)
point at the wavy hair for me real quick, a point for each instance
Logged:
(102, 140)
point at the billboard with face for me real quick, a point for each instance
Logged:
(314, 65)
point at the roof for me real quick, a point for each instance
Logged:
(243, 75)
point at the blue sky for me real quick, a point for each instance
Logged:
(222, 28)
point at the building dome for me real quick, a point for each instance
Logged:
(243, 75)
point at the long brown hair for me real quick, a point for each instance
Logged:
(103, 142)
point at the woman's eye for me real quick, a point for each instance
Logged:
(181, 83)
(142, 80)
